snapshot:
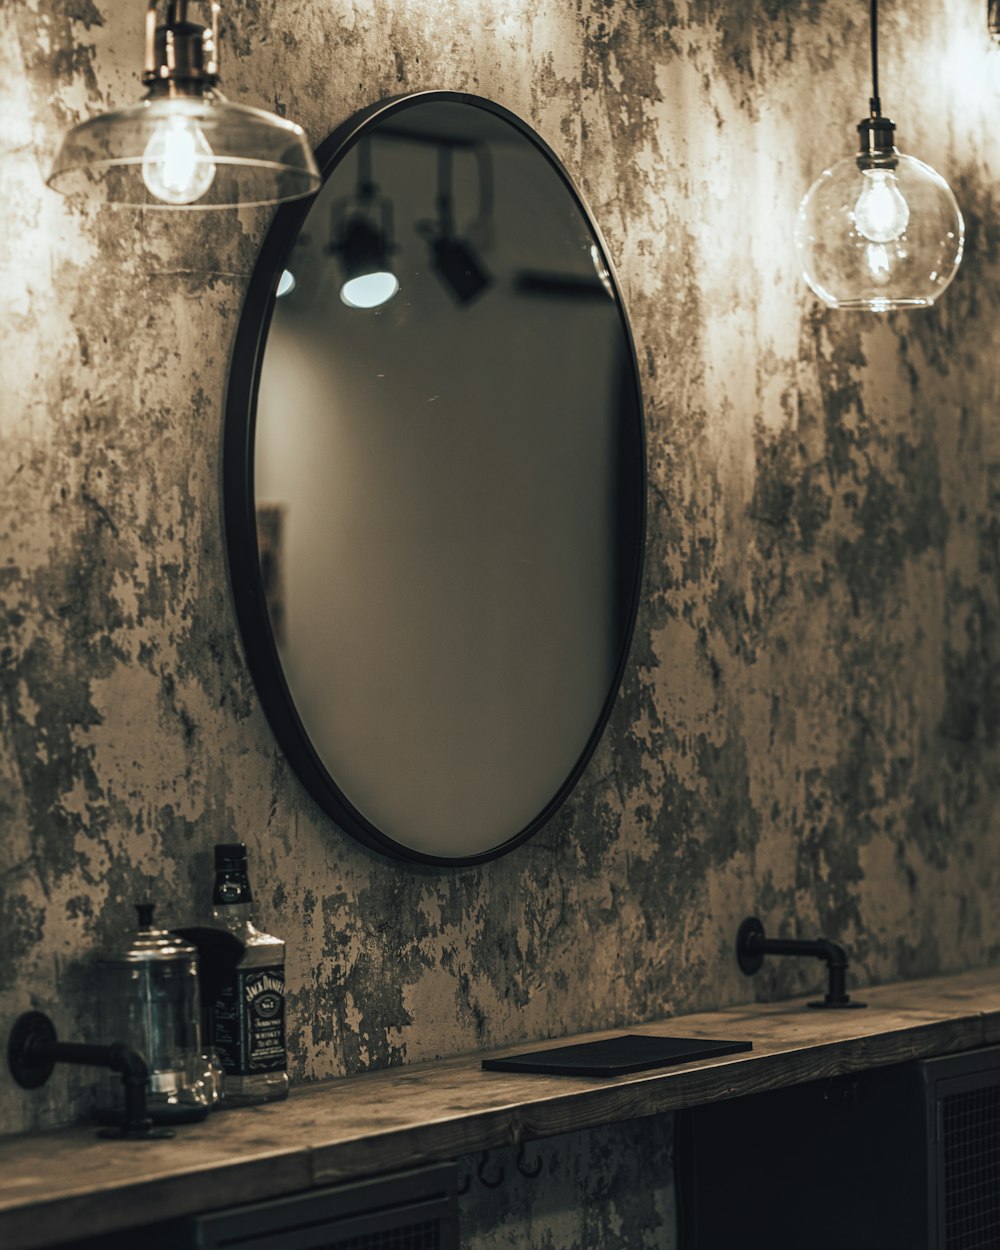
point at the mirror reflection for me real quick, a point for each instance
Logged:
(447, 484)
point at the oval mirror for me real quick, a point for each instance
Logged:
(434, 480)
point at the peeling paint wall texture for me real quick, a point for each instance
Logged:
(809, 725)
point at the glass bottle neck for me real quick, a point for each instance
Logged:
(236, 918)
(232, 888)
(232, 899)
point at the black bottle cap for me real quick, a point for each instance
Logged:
(231, 857)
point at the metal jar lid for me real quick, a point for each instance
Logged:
(151, 944)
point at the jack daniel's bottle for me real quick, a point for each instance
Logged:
(248, 1012)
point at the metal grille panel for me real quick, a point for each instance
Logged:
(424, 1236)
(971, 1161)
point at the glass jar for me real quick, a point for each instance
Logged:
(150, 1000)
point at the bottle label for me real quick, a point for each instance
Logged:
(249, 1022)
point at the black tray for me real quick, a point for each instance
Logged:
(615, 1056)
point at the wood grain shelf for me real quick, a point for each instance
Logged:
(67, 1183)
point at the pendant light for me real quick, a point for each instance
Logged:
(879, 230)
(184, 145)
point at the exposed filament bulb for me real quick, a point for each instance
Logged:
(881, 214)
(178, 165)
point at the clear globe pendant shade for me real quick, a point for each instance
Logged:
(879, 234)
(193, 151)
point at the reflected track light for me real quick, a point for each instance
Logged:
(455, 261)
(458, 267)
(361, 235)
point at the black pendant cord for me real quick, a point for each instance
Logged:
(876, 103)
(877, 145)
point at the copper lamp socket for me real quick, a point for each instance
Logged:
(178, 51)
(877, 145)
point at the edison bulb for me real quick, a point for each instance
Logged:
(178, 165)
(881, 214)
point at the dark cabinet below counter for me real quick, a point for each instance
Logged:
(413, 1210)
(903, 1156)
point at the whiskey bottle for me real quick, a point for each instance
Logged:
(248, 1010)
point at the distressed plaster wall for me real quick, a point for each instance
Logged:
(809, 724)
(610, 1187)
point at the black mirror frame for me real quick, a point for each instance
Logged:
(239, 512)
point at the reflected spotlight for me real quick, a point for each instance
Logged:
(454, 259)
(458, 267)
(364, 254)
(361, 235)
(286, 283)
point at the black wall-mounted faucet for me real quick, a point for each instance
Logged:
(752, 946)
(33, 1050)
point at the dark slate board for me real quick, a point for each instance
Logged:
(615, 1056)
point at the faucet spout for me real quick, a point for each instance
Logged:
(752, 944)
(33, 1050)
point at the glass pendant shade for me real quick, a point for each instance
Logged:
(185, 145)
(879, 230)
(879, 233)
(183, 151)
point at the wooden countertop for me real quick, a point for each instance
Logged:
(68, 1183)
